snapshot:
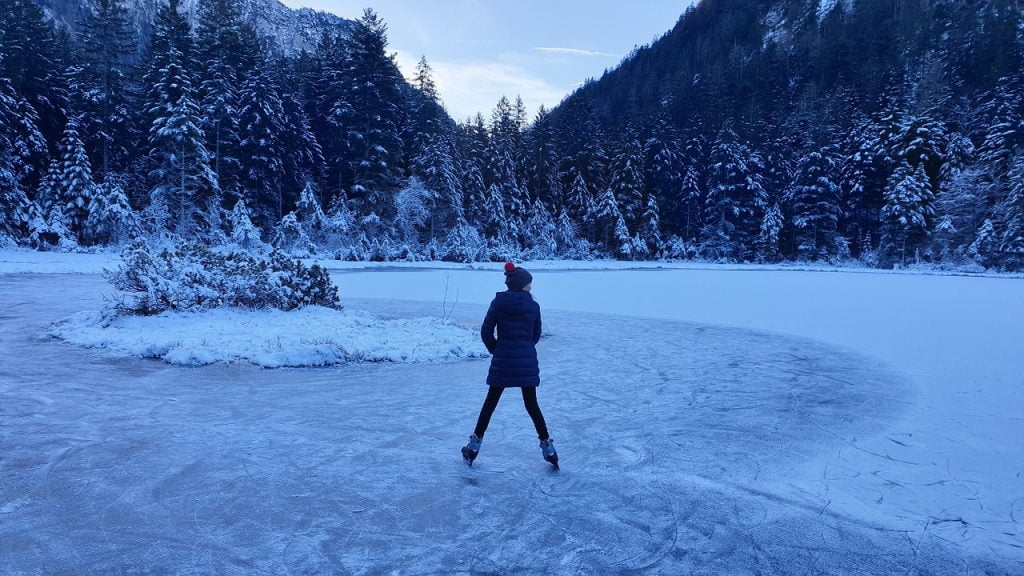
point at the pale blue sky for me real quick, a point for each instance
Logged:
(481, 49)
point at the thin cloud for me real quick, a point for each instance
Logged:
(573, 52)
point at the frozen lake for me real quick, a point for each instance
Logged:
(708, 422)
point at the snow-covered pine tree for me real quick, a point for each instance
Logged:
(229, 52)
(33, 61)
(434, 165)
(542, 161)
(75, 186)
(243, 232)
(513, 199)
(311, 215)
(111, 219)
(662, 165)
(474, 192)
(735, 199)
(260, 119)
(768, 235)
(581, 141)
(909, 207)
(301, 155)
(1005, 132)
(12, 197)
(1011, 244)
(609, 225)
(813, 203)
(494, 217)
(541, 233)
(859, 215)
(219, 108)
(109, 46)
(960, 211)
(570, 245)
(650, 226)
(371, 116)
(985, 247)
(504, 170)
(691, 192)
(182, 182)
(579, 202)
(222, 34)
(625, 247)
(626, 179)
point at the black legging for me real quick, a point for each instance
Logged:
(529, 398)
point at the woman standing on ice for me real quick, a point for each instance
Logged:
(516, 316)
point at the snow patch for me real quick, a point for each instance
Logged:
(311, 336)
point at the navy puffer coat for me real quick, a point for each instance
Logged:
(517, 317)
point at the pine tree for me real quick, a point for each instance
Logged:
(108, 46)
(567, 236)
(1011, 244)
(735, 199)
(219, 108)
(812, 202)
(301, 154)
(579, 202)
(650, 227)
(259, 124)
(223, 35)
(74, 183)
(768, 235)
(663, 163)
(435, 167)
(370, 114)
(580, 138)
(182, 182)
(13, 200)
(243, 232)
(424, 81)
(310, 214)
(609, 225)
(986, 245)
(627, 181)
(494, 218)
(111, 219)
(541, 233)
(33, 62)
(691, 193)
(907, 212)
(542, 161)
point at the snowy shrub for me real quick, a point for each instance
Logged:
(49, 232)
(675, 248)
(291, 237)
(192, 277)
(463, 244)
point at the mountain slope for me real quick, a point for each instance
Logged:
(288, 30)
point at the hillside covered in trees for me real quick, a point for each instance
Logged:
(878, 130)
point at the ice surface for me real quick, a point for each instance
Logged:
(708, 422)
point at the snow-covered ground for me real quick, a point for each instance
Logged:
(710, 421)
(311, 336)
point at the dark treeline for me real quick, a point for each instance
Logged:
(885, 130)
(880, 130)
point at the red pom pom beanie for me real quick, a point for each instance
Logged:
(516, 278)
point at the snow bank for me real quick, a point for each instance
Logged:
(25, 261)
(311, 336)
